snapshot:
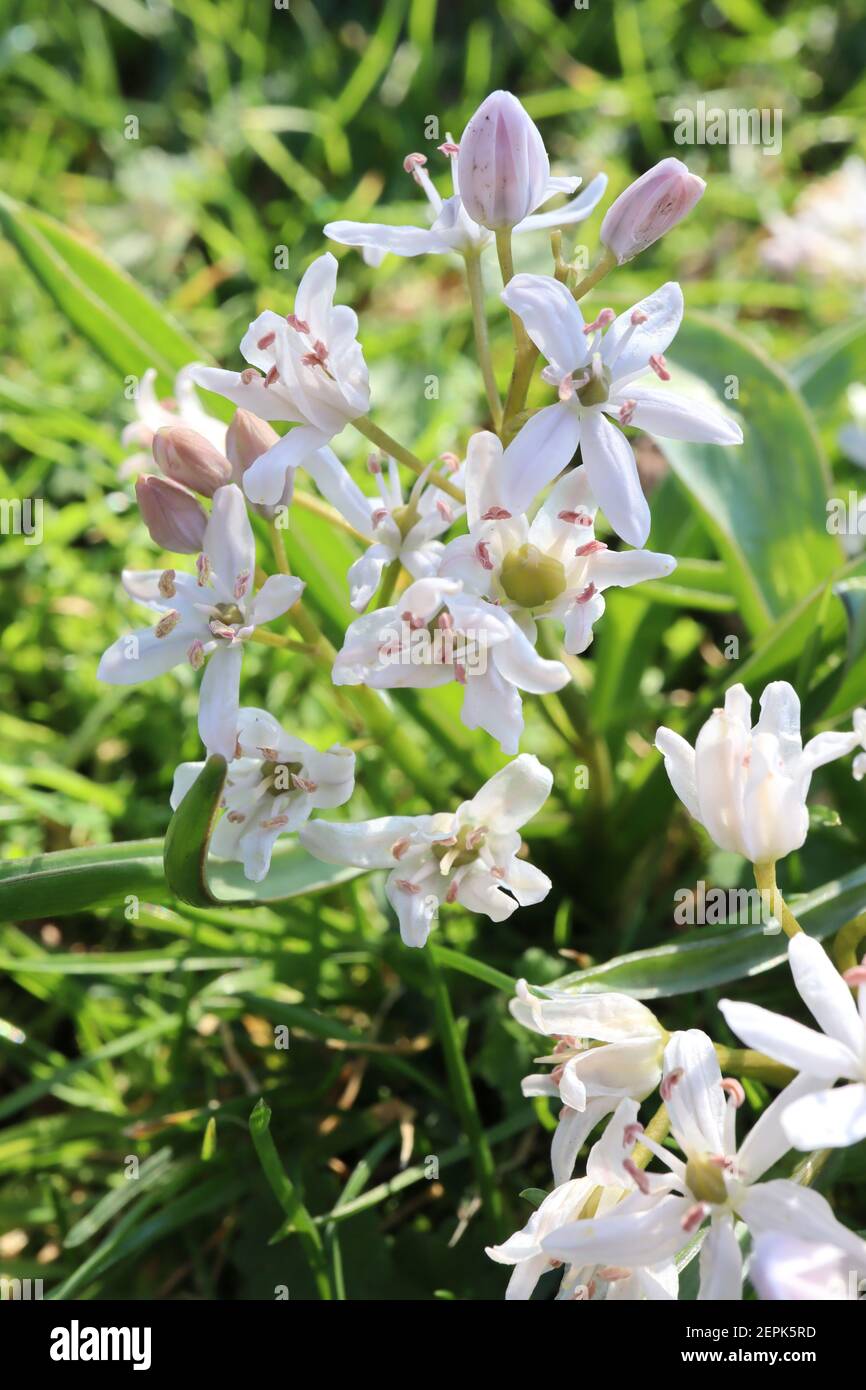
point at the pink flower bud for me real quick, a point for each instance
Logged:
(247, 439)
(175, 519)
(186, 456)
(649, 207)
(502, 167)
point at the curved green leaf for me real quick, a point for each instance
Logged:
(188, 835)
(104, 304)
(763, 503)
(706, 959)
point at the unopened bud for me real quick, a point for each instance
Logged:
(175, 519)
(649, 207)
(185, 456)
(247, 439)
(502, 166)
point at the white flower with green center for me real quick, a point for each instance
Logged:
(468, 856)
(713, 1182)
(434, 634)
(273, 784)
(596, 368)
(306, 368)
(552, 567)
(397, 528)
(204, 618)
(600, 1191)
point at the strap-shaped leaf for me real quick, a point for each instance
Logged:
(188, 836)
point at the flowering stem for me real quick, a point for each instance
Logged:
(846, 944)
(482, 342)
(657, 1130)
(605, 263)
(274, 639)
(278, 546)
(389, 583)
(765, 877)
(744, 1061)
(309, 503)
(464, 1096)
(390, 446)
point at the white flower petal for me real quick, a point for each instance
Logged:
(825, 993)
(551, 317)
(697, 1102)
(767, 1141)
(679, 759)
(366, 844)
(676, 417)
(265, 480)
(627, 1238)
(541, 450)
(278, 594)
(401, 241)
(229, 544)
(628, 349)
(613, 476)
(218, 701)
(787, 1041)
(337, 485)
(184, 776)
(577, 209)
(786, 1206)
(828, 1119)
(513, 795)
(139, 656)
(721, 1264)
(573, 1129)
(254, 396)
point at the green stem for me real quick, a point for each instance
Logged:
(274, 639)
(284, 1191)
(765, 878)
(383, 441)
(603, 265)
(464, 1097)
(744, 1061)
(389, 583)
(657, 1131)
(475, 281)
(847, 942)
(525, 351)
(309, 503)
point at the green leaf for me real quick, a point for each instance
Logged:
(708, 958)
(764, 503)
(56, 885)
(837, 356)
(188, 835)
(103, 303)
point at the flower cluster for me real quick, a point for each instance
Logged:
(471, 572)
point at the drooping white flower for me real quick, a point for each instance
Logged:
(783, 1267)
(468, 856)
(827, 1118)
(315, 377)
(715, 1182)
(566, 1203)
(748, 786)
(589, 1080)
(434, 634)
(152, 414)
(595, 371)
(552, 567)
(453, 230)
(206, 615)
(273, 784)
(397, 529)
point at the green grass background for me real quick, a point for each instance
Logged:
(121, 1039)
